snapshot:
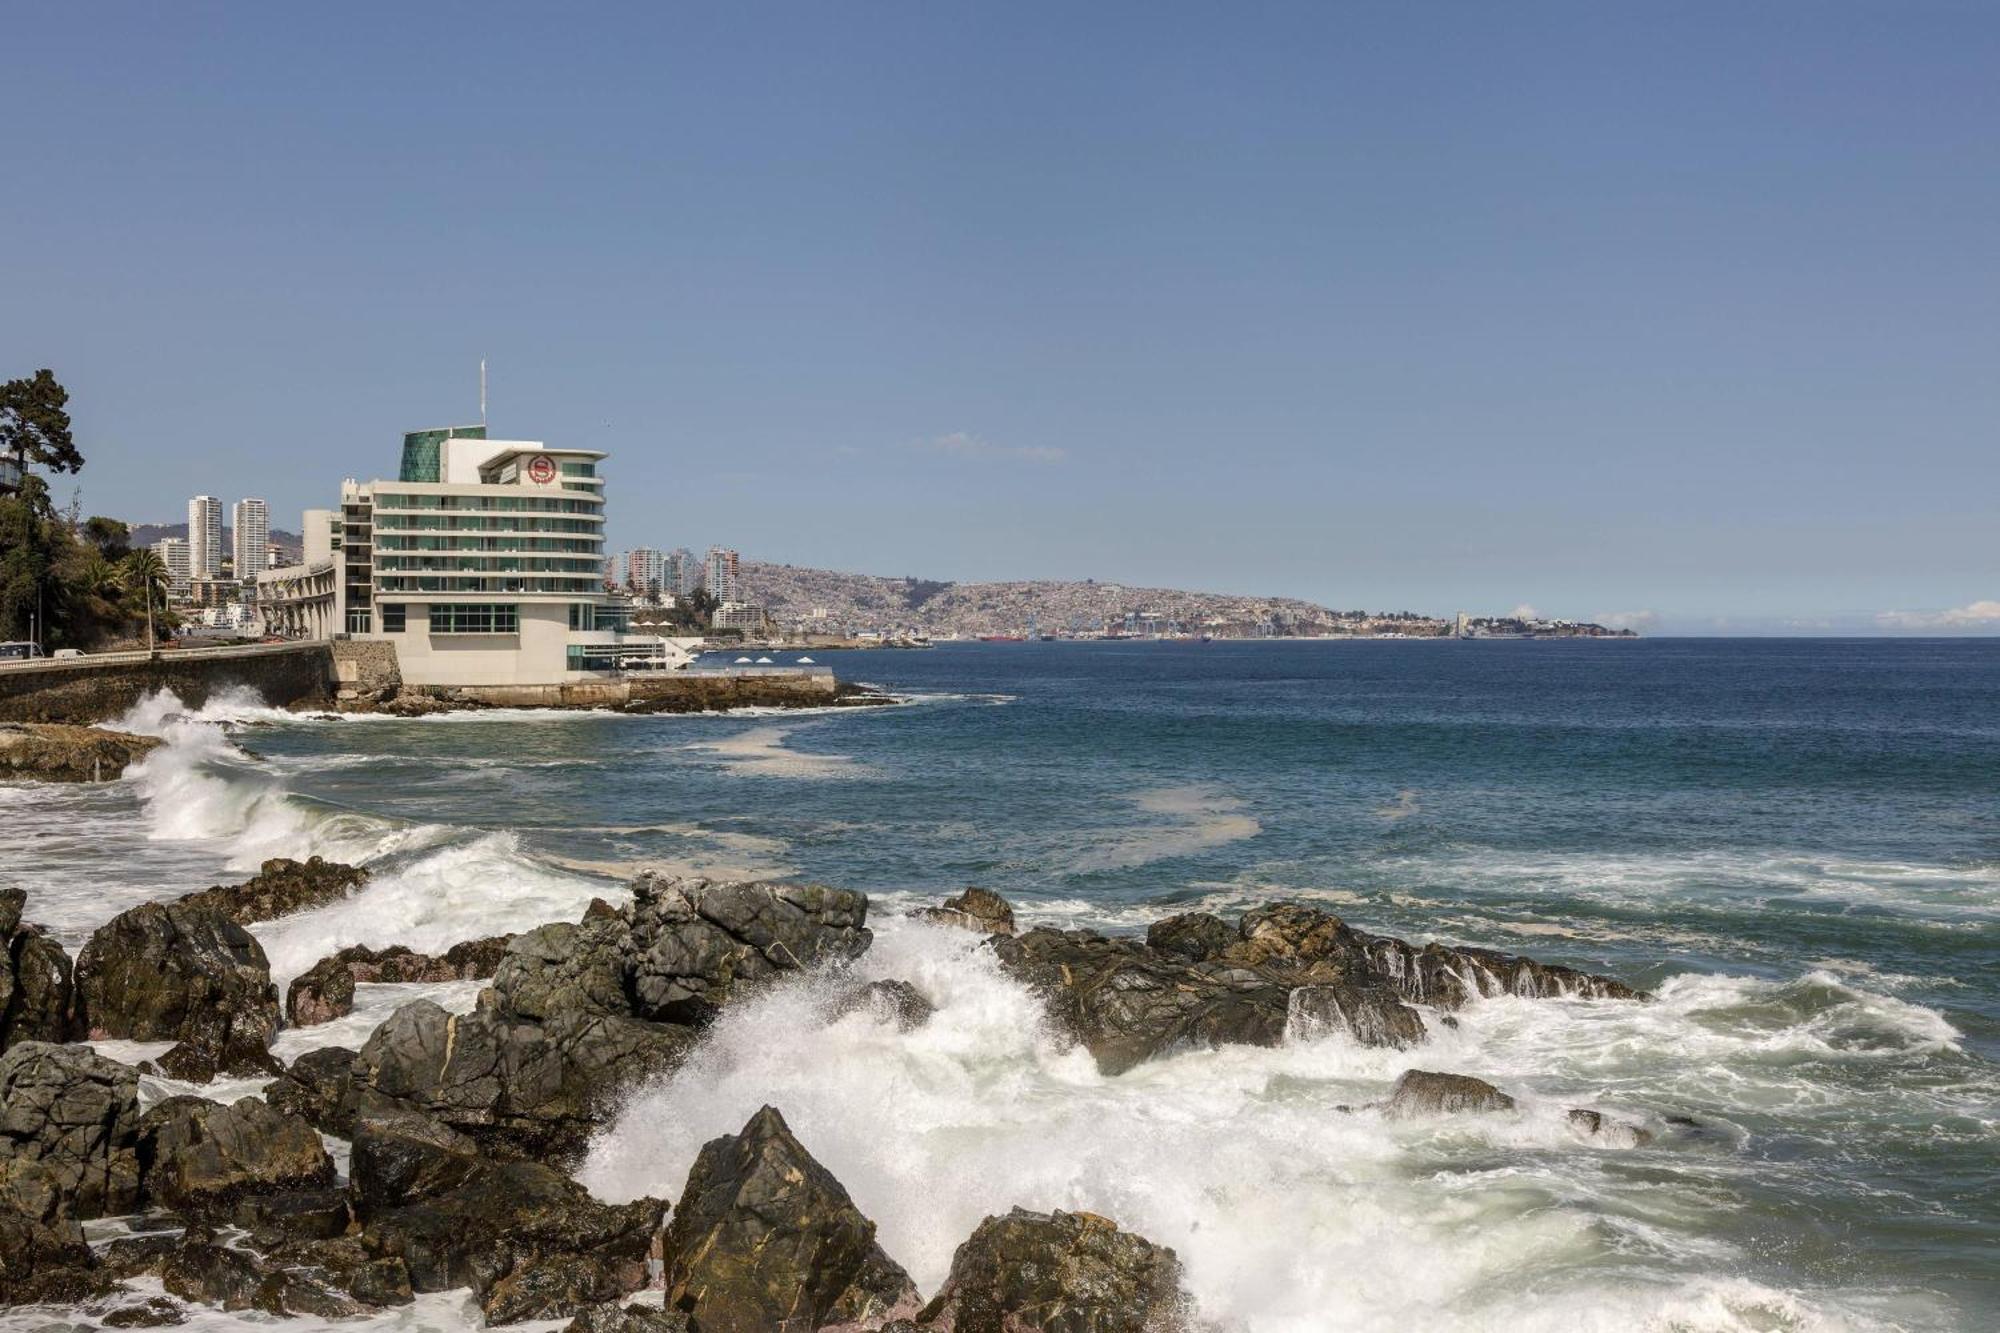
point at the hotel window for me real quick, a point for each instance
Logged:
(474, 619)
(392, 617)
(580, 616)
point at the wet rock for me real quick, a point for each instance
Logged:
(1060, 1272)
(43, 1257)
(299, 1214)
(326, 990)
(529, 1241)
(695, 942)
(550, 1286)
(202, 1158)
(1421, 1092)
(291, 1292)
(136, 1256)
(896, 1002)
(381, 1282)
(1128, 1003)
(1371, 1015)
(154, 1312)
(975, 909)
(318, 1087)
(1596, 1127)
(280, 887)
(241, 1056)
(400, 1156)
(610, 1317)
(75, 1115)
(765, 1238)
(579, 1012)
(52, 752)
(320, 994)
(211, 1274)
(37, 999)
(1287, 966)
(184, 973)
(1195, 936)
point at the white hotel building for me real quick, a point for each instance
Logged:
(482, 563)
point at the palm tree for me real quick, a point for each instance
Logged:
(145, 572)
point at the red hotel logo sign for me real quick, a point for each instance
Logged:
(541, 469)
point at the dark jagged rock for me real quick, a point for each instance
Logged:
(550, 1286)
(1196, 982)
(611, 1317)
(184, 973)
(241, 1056)
(58, 752)
(1128, 1003)
(579, 1012)
(154, 1312)
(530, 1242)
(975, 909)
(402, 1156)
(1601, 1129)
(896, 1002)
(326, 990)
(137, 1256)
(696, 941)
(37, 998)
(1195, 936)
(281, 887)
(1372, 1015)
(765, 1238)
(292, 1215)
(202, 1158)
(320, 994)
(45, 1259)
(318, 1088)
(1421, 1092)
(75, 1115)
(381, 1282)
(211, 1274)
(1060, 1272)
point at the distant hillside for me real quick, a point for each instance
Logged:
(862, 601)
(145, 534)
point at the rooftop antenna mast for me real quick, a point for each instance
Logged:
(482, 390)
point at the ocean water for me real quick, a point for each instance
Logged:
(1795, 844)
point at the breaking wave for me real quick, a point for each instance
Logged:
(1290, 1210)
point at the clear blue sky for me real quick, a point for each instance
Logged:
(1682, 309)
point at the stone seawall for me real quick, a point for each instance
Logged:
(84, 692)
(692, 693)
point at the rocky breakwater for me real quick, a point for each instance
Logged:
(1196, 980)
(460, 1125)
(52, 752)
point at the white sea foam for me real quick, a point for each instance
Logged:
(468, 890)
(1187, 820)
(1289, 1213)
(763, 752)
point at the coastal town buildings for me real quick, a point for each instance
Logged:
(482, 562)
(720, 575)
(683, 572)
(204, 537)
(174, 554)
(250, 533)
(645, 570)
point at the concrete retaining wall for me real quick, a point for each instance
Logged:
(85, 691)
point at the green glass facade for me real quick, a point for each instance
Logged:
(423, 451)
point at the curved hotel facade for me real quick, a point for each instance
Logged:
(482, 563)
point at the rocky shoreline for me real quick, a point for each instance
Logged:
(58, 752)
(460, 1128)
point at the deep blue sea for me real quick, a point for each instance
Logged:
(1795, 844)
